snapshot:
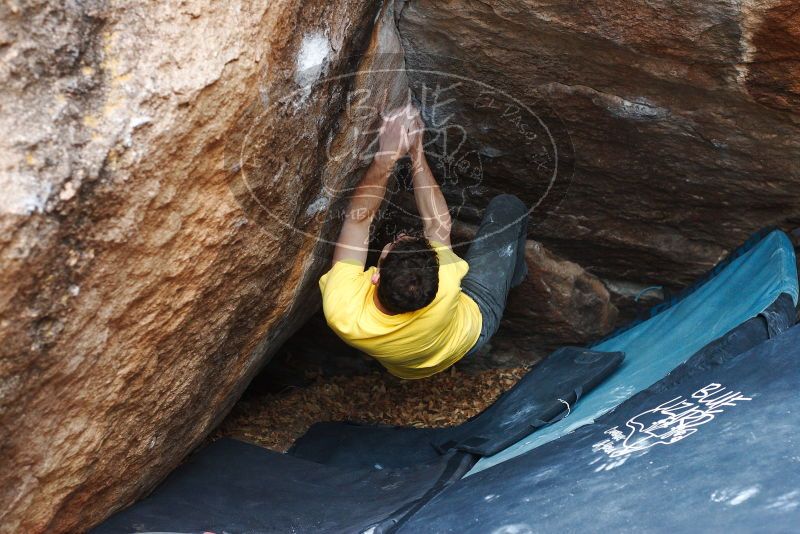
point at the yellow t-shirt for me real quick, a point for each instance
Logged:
(415, 344)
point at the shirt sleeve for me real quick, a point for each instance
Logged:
(339, 286)
(450, 265)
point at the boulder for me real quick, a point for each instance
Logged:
(559, 303)
(166, 172)
(172, 175)
(650, 138)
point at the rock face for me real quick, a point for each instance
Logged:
(559, 303)
(162, 174)
(671, 128)
(171, 173)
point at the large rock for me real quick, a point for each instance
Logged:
(559, 303)
(165, 170)
(170, 173)
(668, 130)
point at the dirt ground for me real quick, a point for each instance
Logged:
(275, 420)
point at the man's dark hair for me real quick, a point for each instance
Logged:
(409, 276)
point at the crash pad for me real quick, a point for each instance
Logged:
(700, 418)
(715, 450)
(738, 289)
(233, 486)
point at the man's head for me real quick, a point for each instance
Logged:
(409, 275)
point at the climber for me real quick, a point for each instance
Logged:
(422, 308)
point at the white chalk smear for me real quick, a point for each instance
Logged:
(734, 497)
(311, 60)
(320, 204)
(514, 528)
(786, 502)
(744, 495)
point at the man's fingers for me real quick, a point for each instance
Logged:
(388, 114)
(395, 113)
(401, 130)
(405, 113)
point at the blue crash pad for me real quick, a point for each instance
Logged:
(714, 448)
(233, 486)
(738, 289)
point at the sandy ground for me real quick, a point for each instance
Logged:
(275, 420)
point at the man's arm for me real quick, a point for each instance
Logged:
(431, 203)
(353, 239)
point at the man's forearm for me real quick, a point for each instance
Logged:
(430, 201)
(366, 200)
(371, 190)
(368, 196)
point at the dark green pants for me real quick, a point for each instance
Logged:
(496, 261)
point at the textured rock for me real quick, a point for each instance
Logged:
(680, 120)
(144, 278)
(559, 303)
(168, 169)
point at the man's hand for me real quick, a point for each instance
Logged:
(416, 136)
(394, 141)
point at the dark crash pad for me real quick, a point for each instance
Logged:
(706, 443)
(714, 451)
(233, 486)
(741, 287)
(543, 395)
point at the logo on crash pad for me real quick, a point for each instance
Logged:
(669, 422)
